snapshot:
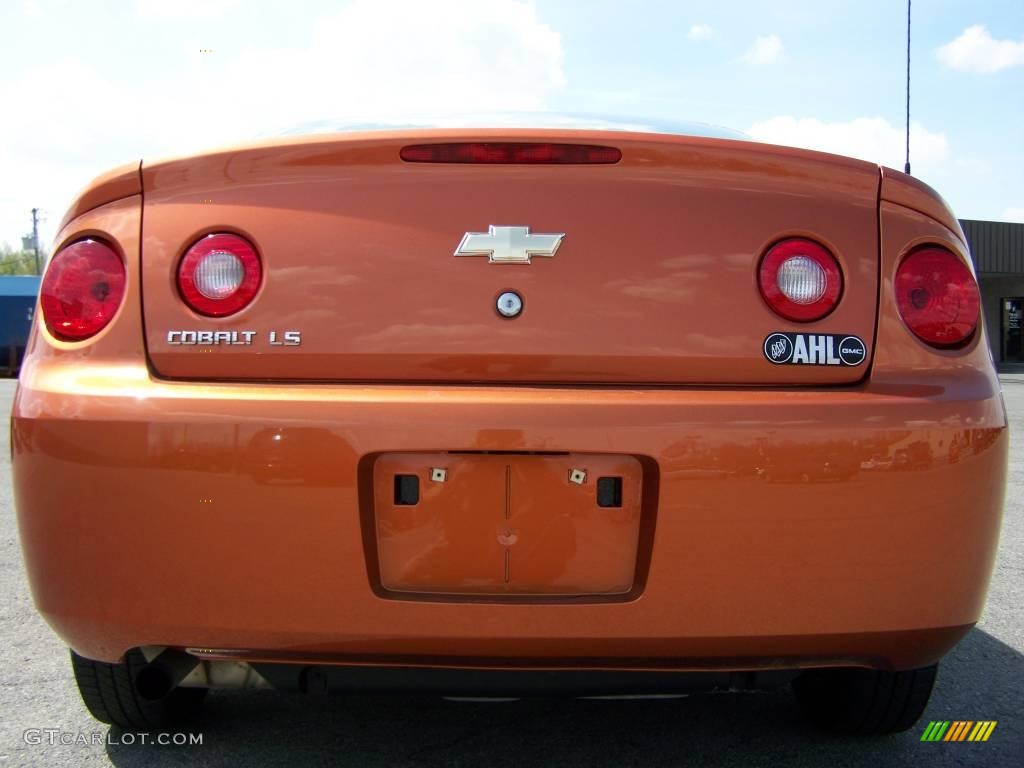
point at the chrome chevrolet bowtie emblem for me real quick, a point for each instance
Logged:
(508, 245)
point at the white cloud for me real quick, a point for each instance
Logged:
(874, 139)
(1014, 214)
(371, 61)
(65, 126)
(765, 50)
(32, 9)
(977, 51)
(183, 10)
(699, 32)
(457, 66)
(47, 160)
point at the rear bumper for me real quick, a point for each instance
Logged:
(780, 531)
(491, 682)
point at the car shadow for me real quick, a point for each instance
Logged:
(980, 680)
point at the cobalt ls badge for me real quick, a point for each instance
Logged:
(814, 349)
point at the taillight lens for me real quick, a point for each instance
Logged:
(937, 297)
(81, 290)
(503, 152)
(800, 280)
(220, 275)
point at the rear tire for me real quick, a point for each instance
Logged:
(864, 702)
(109, 693)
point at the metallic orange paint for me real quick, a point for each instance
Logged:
(116, 184)
(815, 520)
(507, 525)
(912, 193)
(655, 281)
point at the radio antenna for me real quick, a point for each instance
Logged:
(906, 166)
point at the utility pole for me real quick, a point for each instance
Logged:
(35, 235)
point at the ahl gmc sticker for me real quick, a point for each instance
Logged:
(814, 349)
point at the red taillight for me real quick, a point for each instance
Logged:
(937, 297)
(82, 289)
(800, 280)
(509, 152)
(219, 275)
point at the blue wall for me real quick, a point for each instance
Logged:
(17, 304)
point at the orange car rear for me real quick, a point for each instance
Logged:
(509, 411)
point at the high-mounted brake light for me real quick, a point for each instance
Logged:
(83, 286)
(219, 275)
(800, 280)
(937, 297)
(510, 153)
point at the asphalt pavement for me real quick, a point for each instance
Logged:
(982, 679)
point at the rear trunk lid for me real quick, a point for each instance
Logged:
(654, 282)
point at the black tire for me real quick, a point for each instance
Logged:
(109, 693)
(864, 702)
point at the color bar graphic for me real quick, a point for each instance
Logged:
(982, 730)
(935, 730)
(958, 730)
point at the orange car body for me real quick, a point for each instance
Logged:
(236, 500)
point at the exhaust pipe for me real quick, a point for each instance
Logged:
(163, 674)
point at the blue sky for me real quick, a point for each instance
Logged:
(90, 85)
